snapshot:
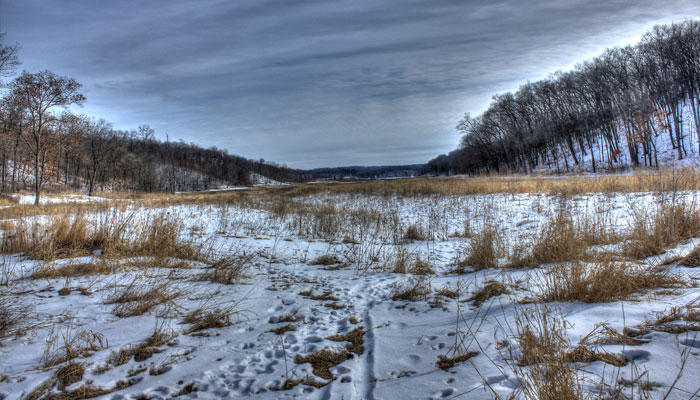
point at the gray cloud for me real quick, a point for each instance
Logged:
(315, 83)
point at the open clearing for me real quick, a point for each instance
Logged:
(448, 288)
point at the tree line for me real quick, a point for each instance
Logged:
(606, 112)
(43, 143)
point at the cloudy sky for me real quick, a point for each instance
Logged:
(314, 83)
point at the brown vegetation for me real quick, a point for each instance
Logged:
(670, 223)
(603, 281)
(322, 361)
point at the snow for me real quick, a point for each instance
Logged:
(404, 339)
(53, 199)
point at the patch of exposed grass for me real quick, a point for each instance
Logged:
(419, 290)
(100, 267)
(414, 232)
(446, 363)
(355, 339)
(583, 354)
(326, 259)
(70, 374)
(692, 259)
(322, 361)
(283, 329)
(227, 270)
(11, 317)
(489, 290)
(201, 319)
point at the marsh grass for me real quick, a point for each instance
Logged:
(141, 296)
(420, 289)
(67, 345)
(12, 316)
(603, 281)
(542, 343)
(668, 224)
(115, 235)
(52, 271)
(203, 319)
(143, 351)
(482, 253)
(489, 290)
(228, 270)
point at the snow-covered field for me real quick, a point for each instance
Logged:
(316, 268)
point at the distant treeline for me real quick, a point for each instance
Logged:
(42, 143)
(375, 172)
(613, 107)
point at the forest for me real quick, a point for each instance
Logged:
(608, 112)
(43, 145)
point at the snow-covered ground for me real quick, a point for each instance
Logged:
(401, 340)
(53, 199)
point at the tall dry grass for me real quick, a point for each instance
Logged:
(603, 281)
(542, 345)
(115, 234)
(667, 224)
(662, 180)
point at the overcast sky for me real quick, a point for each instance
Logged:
(314, 83)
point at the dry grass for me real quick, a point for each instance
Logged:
(558, 241)
(201, 319)
(114, 234)
(67, 346)
(692, 259)
(70, 374)
(86, 392)
(604, 334)
(325, 296)
(141, 352)
(326, 259)
(141, 296)
(227, 270)
(663, 180)
(603, 281)
(675, 320)
(414, 232)
(418, 290)
(8, 201)
(541, 338)
(482, 251)
(322, 361)
(51, 271)
(669, 224)
(11, 316)
(283, 329)
(583, 354)
(446, 363)
(355, 339)
(489, 290)
(421, 267)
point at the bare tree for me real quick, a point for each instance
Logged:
(39, 94)
(8, 57)
(99, 144)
